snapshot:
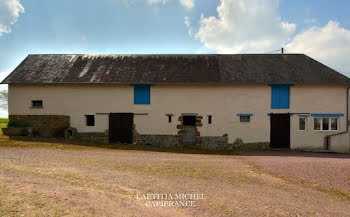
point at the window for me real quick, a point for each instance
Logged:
(302, 123)
(142, 94)
(334, 123)
(189, 120)
(209, 119)
(317, 124)
(244, 118)
(169, 117)
(90, 120)
(326, 124)
(280, 96)
(37, 103)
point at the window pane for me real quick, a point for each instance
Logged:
(189, 120)
(325, 123)
(302, 123)
(334, 124)
(317, 124)
(37, 103)
(244, 118)
(209, 119)
(90, 120)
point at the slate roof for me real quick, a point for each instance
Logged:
(176, 69)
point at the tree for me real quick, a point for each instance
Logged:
(4, 99)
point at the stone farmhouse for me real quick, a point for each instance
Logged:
(203, 101)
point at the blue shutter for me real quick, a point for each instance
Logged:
(275, 92)
(142, 94)
(284, 96)
(280, 96)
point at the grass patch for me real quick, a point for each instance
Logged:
(4, 120)
(3, 123)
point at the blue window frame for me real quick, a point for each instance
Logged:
(280, 94)
(244, 115)
(327, 115)
(142, 94)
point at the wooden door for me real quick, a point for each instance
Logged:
(189, 130)
(280, 131)
(121, 127)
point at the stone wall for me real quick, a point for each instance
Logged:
(163, 141)
(98, 137)
(43, 125)
(215, 143)
(204, 142)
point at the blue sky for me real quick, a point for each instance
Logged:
(319, 28)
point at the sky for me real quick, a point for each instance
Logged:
(318, 28)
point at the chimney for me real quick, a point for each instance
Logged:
(282, 50)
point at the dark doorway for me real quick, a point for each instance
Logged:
(121, 127)
(189, 130)
(280, 131)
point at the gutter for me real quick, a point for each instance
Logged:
(328, 137)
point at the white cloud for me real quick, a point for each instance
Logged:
(188, 25)
(3, 114)
(245, 26)
(329, 44)
(188, 4)
(9, 12)
(3, 75)
(151, 2)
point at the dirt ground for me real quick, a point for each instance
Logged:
(331, 171)
(46, 179)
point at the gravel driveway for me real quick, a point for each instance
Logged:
(329, 170)
(45, 179)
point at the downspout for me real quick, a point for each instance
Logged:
(327, 138)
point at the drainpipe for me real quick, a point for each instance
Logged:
(347, 122)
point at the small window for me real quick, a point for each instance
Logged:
(90, 120)
(189, 120)
(209, 119)
(169, 117)
(37, 103)
(326, 124)
(302, 124)
(244, 118)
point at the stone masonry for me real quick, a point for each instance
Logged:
(43, 125)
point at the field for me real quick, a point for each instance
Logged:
(53, 179)
(3, 123)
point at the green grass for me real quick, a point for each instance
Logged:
(4, 120)
(3, 123)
